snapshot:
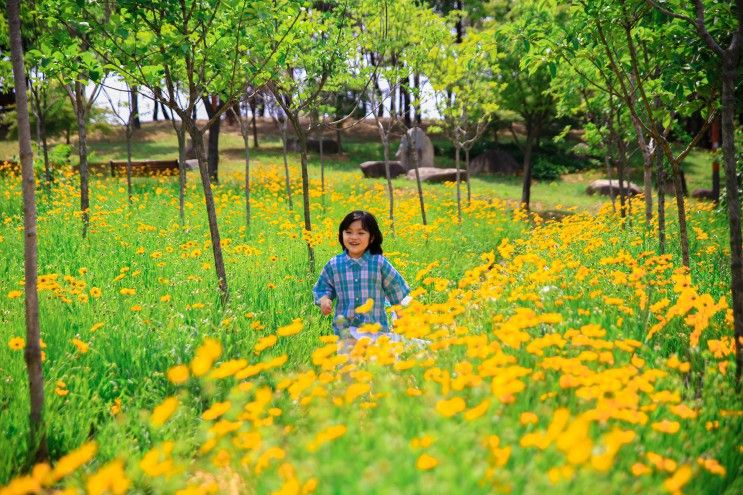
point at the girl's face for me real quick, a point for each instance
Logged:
(356, 239)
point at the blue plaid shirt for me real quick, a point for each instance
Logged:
(353, 281)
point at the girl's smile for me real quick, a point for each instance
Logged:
(356, 239)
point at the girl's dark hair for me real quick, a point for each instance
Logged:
(369, 223)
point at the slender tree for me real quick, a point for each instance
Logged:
(126, 117)
(32, 352)
(464, 76)
(196, 54)
(314, 62)
(728, 59)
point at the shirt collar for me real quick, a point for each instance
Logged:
(364, 258)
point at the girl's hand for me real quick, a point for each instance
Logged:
(326, 305)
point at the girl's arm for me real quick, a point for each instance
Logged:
(395, 287)
(324, 287)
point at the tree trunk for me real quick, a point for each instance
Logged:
(286, 167)
(678, 183)
(197, 137)
(165, 112)
(181, 133)
(135, 107)
(647, 177)
(417, 108)
(154, 110)
(459, 182)
(213, 144)
(83, 154)
(733, 201)
(660, 175)
(302, 137)
(390, 191)
(467, 176)
(129, 162)
(322, 164)
(532, 130)
(45, 149)
(405, 105)
(621, 161)
(32, 352)
(252, 103)
(418, 179)
(245, 131)
(607, 163)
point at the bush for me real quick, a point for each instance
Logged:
(544, 169)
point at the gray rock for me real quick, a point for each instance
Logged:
(373, 170)
(494, 162)
(415, 138)
(605, 186)
(704, 194)
(431, 174)
(191, 164)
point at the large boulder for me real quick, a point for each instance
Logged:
(705, 195)
(373, 170)
(416, 139)
(605, 187)
(431, 174)
(494, 162)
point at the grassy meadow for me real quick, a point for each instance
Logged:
(565, 356)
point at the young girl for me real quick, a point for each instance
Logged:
(356, 275)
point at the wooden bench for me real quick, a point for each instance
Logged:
(144, 167)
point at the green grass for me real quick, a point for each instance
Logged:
(545, 287)
(157, 141)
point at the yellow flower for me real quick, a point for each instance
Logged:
(366, 307)
(14, 294)
(639, 469)
(293, 328)
(666, 426)
(528, 418)
(426, 462)
(165, 298)
(449, 408)
(95, 292)
(136, 308)
(116, 407)
(265, 342)
(72, 461)
(356, 390)
(178, 374)
(127, 292)
(111, 478)
(421, 443)
(477, 411)
(96, 327)
(164, 411)
(61, 391)
(217, 409)
(206, 354)
(82, 347)
(17, 343)
(679, 479)
(328, 434)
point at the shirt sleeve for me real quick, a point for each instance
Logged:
(324, 285)
(395, 287)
